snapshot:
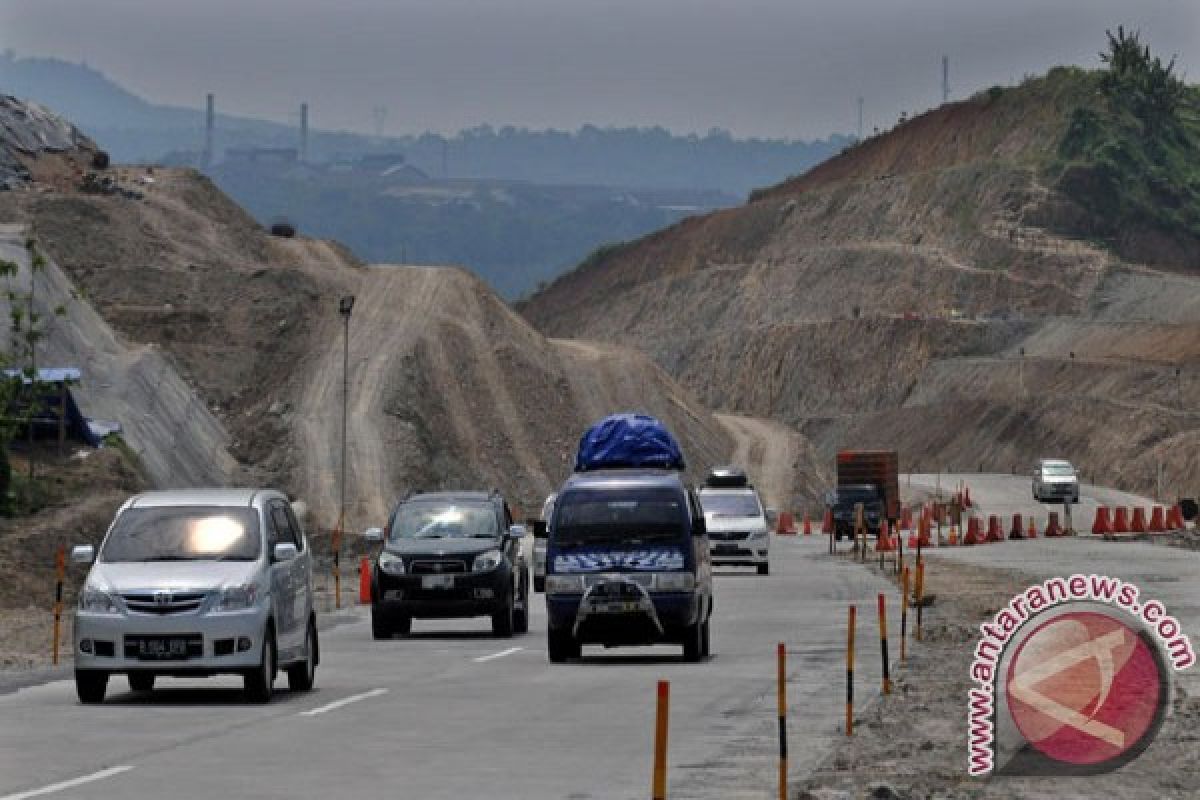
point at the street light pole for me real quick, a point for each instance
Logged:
(345, 307)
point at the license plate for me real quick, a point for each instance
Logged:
(618, 608)
(437, 582)
(162, 648)
(727, 548)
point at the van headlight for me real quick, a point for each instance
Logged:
(488, 561)
(564, 584)
(238, 598)
(391, 564)
(673, 582)
(97, 602)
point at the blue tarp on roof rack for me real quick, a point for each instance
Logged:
(624, 441)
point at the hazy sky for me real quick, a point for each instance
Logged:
(789, 68)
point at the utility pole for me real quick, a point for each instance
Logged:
(945, 79)
(210, 115)
(860, 118)
(345, 307)
(304, 133)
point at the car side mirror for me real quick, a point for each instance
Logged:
(83, 554)
(539, 529)
(373, 534)
(285, 551)
(517, 531)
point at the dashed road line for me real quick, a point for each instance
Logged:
(501, 654)
(345, 701)
(71, 784)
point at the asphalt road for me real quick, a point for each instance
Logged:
(452, 712)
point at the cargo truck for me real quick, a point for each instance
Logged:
(870, 477)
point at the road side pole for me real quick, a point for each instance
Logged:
(883, 648)
(659, 788)
(60, 574)
(920, 595)
(781, 680)
(850, 674)
(904, 615)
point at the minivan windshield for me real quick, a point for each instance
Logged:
(730, 504)
(184, 533)
(448, 520)
(1058, 471)
(625, 516)
(848, 495)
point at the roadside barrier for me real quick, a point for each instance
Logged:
(659, 782)
(364, 581)
(1102, 524)
(1138, 523)
(781, 704)
(1158, 523)
(807, 524)
(887, 680)
(904, 581)
(1053, 528)
(786, 525)
(1120, 522)
(994, 534)
(60, 575)
(1016, 532)
(850, 674)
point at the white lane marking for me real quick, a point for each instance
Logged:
(345, 701)
(71, 784)
(501, 654)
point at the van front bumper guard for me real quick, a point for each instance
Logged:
(616, 594)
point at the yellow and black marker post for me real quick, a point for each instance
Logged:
(659, 787)
(887, 679)
(920, 595)
(781, 680)
(850, 674)
(60, 574)
(336, 545)
(904, 615)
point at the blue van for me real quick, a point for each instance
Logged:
(627, 554)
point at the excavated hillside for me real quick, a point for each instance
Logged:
(951, 287)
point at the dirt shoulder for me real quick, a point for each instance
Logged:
(912, 744)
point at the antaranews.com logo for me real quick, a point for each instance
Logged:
(1073, 678)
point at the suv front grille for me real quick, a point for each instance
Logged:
(727, 536)
(438, 567)
(162, 603)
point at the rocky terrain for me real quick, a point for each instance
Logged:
(946, 288)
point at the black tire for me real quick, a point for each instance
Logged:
(693, 642)
(562, 646)
(764, 569)
(259, 683)
(303, 675)
(90, 685)
(503, 620)
(539, 584)
(141, 681)
(381, 627)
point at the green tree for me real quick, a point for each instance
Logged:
(1138, 80)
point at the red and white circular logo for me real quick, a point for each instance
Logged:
(1086, 689)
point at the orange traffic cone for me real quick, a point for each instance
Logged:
(953, 540)
(364, 581)
(1138, 523)
(1031, 533)
(786, 525)
(1102, 524)
(807, 524)
(994, 533)
(1053, 529)
(883, 543)
(1015, 531)
(1158, 523)
(972, 535)
(1120, 522)
(827, 523)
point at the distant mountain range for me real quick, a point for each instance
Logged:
(134, 130)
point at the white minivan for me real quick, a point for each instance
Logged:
(198, 582)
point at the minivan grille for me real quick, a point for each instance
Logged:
(163, 603)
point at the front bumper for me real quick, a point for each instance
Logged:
(217, 634)
(1058, 490)
(665, 620)
(473, 594)
(740, 552)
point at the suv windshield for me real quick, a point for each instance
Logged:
(445, 520)
(730, 504)
(848, 495)
(625, 516)
(184, 533)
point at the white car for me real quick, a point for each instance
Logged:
(1055, 480)
(738, 533)
(193, 583)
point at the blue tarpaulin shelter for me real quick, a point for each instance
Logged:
(628, 441)
(56, 409)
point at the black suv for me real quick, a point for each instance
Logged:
(446, 555)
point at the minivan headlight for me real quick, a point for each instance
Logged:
(673, 582)
(564, 584)
(391, 564)
(486, 562)
(97, 602)
(236, 598)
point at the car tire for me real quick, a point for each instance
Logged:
(764, 569)
(503, 619)
(259, 683)
(303, 675)
(562, 647)
(141, 681)
(90, 685)
(539, 584)
(693, 642)
(380, 626)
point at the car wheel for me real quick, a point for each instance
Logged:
(562, 646)
(259, 683)
(764, 569)
(380, 627)
(539, 584)
(90, 685)
(302, 676)
(141, 681)
(693, 642)
(502, 620)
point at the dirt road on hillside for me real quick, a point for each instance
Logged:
(770, 452)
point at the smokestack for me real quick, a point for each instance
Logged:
(303, 133)
(209, 124)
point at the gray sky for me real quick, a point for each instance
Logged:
(789, 68)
